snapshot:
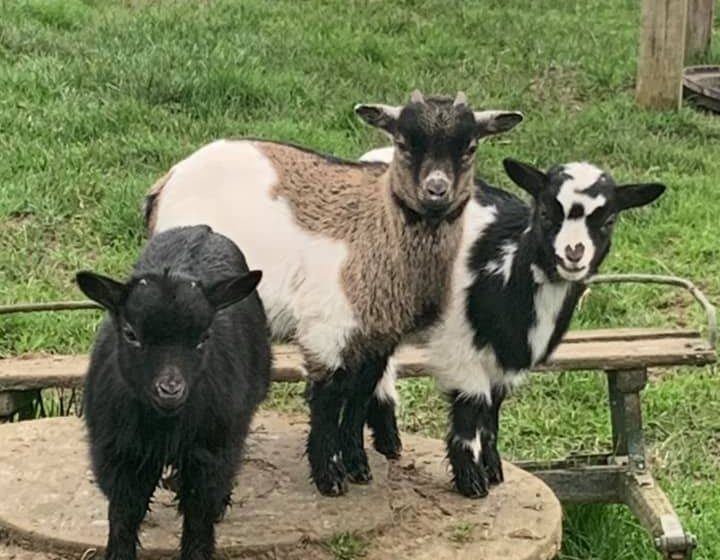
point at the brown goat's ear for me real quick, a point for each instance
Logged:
(107, 292)
(226, 292)
(384, 117)
(494, 122)
(525, 176)
(632, 196)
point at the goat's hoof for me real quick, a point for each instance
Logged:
(358, 470)
(331, 482)
(390, 447)
(471, 483)
(493, 466)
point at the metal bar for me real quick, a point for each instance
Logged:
(596, 484)
(617, 415)
(651, 506)
(624, 388)
(699, 296)
(49, 306)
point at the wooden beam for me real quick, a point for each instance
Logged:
(699, 29)
(662, 49)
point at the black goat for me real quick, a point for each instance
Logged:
(178, 369)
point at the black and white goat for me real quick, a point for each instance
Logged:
(516, 284)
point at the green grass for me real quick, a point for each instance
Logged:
(99, 98)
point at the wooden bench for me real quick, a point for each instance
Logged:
(625, 355)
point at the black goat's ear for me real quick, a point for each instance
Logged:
(226, 292)
(525, 176)
(107, 292)
(632, 196)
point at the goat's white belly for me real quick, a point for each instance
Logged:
(228, 186)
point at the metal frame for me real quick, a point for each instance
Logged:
(621, 476)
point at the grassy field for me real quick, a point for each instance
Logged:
(98, 99)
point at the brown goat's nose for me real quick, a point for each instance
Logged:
(436, 186)
(574, 254)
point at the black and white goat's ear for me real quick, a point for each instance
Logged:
(632, 196)
(107, 292)
(232, 290)
(384, 117)
(525, 176)
(495, 122)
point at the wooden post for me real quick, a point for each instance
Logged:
(699, 28)
(662, 47)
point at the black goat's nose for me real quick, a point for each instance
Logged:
(574, 254)
(170, 387)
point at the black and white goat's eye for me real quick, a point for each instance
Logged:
(130, 336)
(609, 222)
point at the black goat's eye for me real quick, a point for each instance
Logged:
(201, 345)
(130, 336)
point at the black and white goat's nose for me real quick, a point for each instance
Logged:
(575, 254)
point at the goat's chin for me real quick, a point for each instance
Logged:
(573, 275)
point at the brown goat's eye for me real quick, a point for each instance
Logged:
(471, 149)
(130, 336)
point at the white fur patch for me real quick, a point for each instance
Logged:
(383, 155)
(385, 390)
(227, 185)
(473, 445)
(503, 266)
(574, 230)
(548, 302)
(455, 361)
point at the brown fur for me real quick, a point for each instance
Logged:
(398, 270)
(151, 199)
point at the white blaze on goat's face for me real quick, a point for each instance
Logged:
(574, 245)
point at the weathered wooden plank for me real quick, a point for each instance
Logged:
(605, 352)
(698, 34)
(627, 334)
(661, 57)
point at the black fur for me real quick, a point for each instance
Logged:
(502, 314)
(180, 320)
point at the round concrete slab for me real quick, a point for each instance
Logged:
(50, 503)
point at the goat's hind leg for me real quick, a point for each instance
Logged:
(382, 418)
(488, 426)
(464, 446)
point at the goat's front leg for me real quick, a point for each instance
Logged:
(326, 399)
(488, 427)
(206, 482)
(464, 445)
(382, 417)
(129, 487)
(363, 385)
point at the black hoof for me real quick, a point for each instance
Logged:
(493, 464)
(358, 470)
(331, 481)
(390, 446)
(471, 482)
